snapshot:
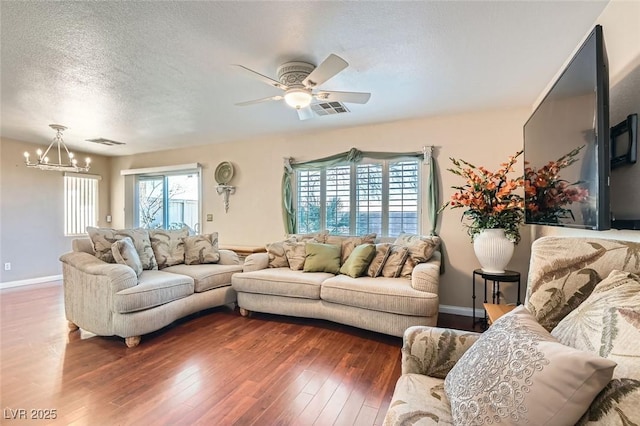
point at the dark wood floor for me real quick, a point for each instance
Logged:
(211, 368)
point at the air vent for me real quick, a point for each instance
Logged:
(103, 141)
(329, 108)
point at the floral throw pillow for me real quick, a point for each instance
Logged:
(124, 253)
(296, 254)
(395, 261)
(168, 246)
(277, 257)
(199, 249)
(379, 259)
(103, 238)
(517, 373)
(608, 323)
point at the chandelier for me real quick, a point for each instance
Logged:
(44, 162)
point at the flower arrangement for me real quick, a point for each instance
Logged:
(547, 195)
(489, 198)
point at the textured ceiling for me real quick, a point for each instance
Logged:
(157, 75)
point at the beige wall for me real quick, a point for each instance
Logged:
(255, 216)
(621, 26)
(32, 213)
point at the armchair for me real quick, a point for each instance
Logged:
(586, 292)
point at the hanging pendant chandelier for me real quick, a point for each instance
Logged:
(45, 163)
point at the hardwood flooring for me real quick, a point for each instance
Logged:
(213, 368)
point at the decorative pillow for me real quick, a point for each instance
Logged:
(395, 261)
(296, 254)
(348, 243)
(168, 246)
(322, 258)
(142, 244)
(421, 249)
(102, 238)
(200, 249)
(124, 253)
(517, 373)
(564, 272)
(277, 258)
(608, 323)
(359, 260)
(313, 236)
(376, 265)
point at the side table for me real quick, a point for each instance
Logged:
(495, 311)
(496, 279)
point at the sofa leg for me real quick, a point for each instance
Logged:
(72, 326)
(245, 312)
(132, 341)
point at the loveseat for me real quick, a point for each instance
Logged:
(393, 294)
(586, 293)
(130, 300)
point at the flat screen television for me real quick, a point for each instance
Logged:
(566, 145)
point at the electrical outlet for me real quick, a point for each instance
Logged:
(209, 218)
(7, 266)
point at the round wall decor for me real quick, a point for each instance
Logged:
(224, 173)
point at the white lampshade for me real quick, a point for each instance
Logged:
(298, 98)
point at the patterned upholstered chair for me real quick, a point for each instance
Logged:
(587, 293)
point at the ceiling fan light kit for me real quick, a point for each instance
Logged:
(298, 79)
(298, 98)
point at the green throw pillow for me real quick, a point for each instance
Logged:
(322, 258)
(359, 259)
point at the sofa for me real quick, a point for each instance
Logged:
(390, 297)
(570, 355)
(114, 299)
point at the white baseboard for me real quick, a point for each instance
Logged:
(30, 281)
(460, 310)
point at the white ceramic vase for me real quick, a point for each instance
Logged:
(493, 250)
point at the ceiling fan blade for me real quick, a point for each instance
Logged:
(262, 78)
(327, 69)
(257, 101)
(305, 113)
(348, 97)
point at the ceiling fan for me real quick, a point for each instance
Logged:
(299, 79)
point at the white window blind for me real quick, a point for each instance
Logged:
(80, 203)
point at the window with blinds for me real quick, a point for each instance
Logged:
(308, 200)
(379, 197)
(403, 197)
(80, 203)
(338, 200)
(369, 199)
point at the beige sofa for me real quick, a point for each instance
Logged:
(109, 299)
(384, 305)
(577, 291)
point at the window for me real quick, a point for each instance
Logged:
(169, 201)
(374, 196)
(166, 197)
(80, 203)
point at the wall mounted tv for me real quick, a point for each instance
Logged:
(566, 145)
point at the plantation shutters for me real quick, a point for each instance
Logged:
(378, 196)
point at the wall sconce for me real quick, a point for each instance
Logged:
(225, 191)
(223, 175)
